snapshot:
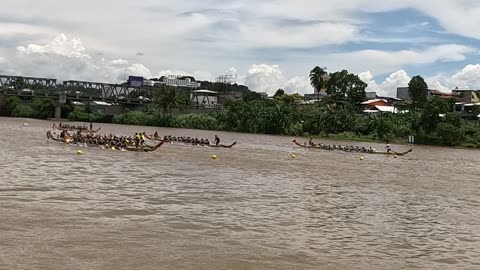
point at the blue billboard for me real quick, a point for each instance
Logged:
(135, 81)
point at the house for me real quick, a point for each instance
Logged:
(381, 109)
(403, 93)
(468, 102)
(467, 96)
(375, 102)
(378, 106)
(442, 95)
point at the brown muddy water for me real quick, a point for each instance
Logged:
(253, 208)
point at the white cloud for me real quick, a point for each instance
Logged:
(467, 78)
(8, 29)
(203, 76)
(66, 59)
(61, 46)
(269, 78)
(261, 34)
(264, 78)
(389, 86)
(299, 85)
(231, 32)
(119, 62)
(464, 13)
(367, 77)
(169, 72)
(231, 71)
(138, 70)
(379, 61)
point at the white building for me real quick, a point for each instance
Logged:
(148, 82)
(179, 81)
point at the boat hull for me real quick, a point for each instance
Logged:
(366, 152)
(76, 130)
(157, 139)
(144, 148)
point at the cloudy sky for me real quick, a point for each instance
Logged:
(268, 44)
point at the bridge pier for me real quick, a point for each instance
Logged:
(58, 111)
(58, 106)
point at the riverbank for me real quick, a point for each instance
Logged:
(435, 124)
(341, 137)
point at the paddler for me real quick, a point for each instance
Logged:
(137, 140)
(388, 147)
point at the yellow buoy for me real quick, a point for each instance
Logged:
(79, 152)
(361, 158)
(395, 156)
(293, 156)
(214, 156)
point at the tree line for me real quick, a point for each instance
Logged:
(338, 115)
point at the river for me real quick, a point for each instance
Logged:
(255, 207)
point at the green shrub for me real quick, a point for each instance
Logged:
(131, 118)
(449, 134)
(195, 121)
(23, 111)
(43, 108)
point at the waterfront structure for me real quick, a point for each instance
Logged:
(204, 99)
(178, 81)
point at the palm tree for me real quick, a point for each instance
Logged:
(169, 98)
(317, 79)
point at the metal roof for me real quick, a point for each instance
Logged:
(373, 101)
(205, 91)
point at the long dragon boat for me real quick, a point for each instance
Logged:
(74, 129)
(142, 148)
(159, 139)
(367, 151)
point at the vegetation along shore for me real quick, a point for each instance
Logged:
(338, 114)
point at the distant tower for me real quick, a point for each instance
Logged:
(227, 79)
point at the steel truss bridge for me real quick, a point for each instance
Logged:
(74, 90)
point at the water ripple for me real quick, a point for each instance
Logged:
(254, 207)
